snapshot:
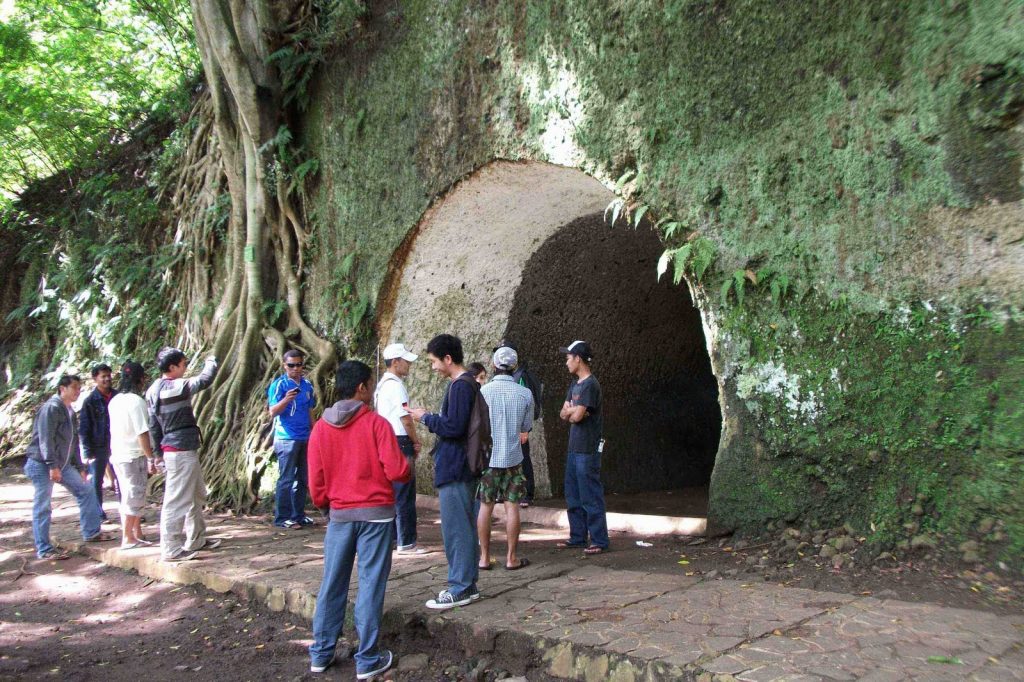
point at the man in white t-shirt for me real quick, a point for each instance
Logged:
(131, 452)
(390, 400)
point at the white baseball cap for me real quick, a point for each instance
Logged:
(505, 358)
(398, 350)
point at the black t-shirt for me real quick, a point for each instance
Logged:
(584, 437)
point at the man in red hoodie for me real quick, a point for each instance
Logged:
(353, 459)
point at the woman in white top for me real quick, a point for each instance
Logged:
(131, 452)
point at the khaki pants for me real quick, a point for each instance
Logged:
(181, 520)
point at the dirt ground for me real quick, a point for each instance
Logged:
(79, 620)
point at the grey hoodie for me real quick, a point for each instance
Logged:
(342, 411)
(55, 436)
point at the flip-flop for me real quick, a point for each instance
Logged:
(568, 545)
(523, 563)
(487, 567)
(101, 537)
(594, 549)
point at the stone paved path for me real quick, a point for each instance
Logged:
(596, 623)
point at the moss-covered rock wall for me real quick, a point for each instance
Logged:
(856, 168)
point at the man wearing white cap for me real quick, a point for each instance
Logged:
(511, 410)
(390, 401)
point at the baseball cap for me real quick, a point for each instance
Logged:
(398, 350)
(505, 358)
(580, 348)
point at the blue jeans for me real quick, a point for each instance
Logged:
(458, 531)
(405, 500)
(98, 469)
(584, 499)
(344, 541)
(88, 508)
(292, 481)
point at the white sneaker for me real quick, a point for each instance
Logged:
(314, 668)
(409, 551)
(386, 658)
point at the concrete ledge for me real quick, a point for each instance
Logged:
(640, 524)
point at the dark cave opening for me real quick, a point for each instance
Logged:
(662, 420)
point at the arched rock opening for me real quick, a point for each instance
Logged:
(521, 249)
(661, 415)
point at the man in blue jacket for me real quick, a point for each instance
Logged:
(53, 457)
(454, 482)
(94, 429)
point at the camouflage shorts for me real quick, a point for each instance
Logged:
(502, 485)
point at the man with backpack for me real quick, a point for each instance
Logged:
(511, 412)
(453, 478)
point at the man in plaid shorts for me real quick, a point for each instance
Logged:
(511, 408)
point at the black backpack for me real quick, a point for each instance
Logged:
(478, 431)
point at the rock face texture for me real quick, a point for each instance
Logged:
(851, 174)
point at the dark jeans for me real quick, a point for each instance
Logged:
(97, 470)
(528, 471)
(405, 500)
(292, 481)
(584, 498)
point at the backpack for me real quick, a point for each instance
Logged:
(478, 431)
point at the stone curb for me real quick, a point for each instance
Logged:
(560, 659)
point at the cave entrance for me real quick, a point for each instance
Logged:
(661, 415)
(521, 250)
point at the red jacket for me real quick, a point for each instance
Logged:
(353, 458)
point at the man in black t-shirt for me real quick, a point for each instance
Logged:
(584, 494)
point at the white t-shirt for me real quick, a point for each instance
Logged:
(129, 417)
(388, 399)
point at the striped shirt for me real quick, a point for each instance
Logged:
(511, 407)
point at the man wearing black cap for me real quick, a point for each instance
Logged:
(584, 494)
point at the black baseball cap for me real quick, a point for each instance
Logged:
(579, 348)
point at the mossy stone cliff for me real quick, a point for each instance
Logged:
(856, 168)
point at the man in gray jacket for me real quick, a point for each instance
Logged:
(172, 425)
(53, 457)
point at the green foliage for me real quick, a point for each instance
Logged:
(77, 74)
(694, 257)
(331, 23)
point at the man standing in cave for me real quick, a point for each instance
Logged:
(584, 494)
(454, 481)
(172, 425)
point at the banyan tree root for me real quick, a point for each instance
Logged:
(231, 152)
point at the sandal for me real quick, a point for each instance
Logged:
(55, 555)
(594, 549)
(565, 544)
(523, 563)
(101, 537)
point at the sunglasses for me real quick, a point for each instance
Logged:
(293, 365)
